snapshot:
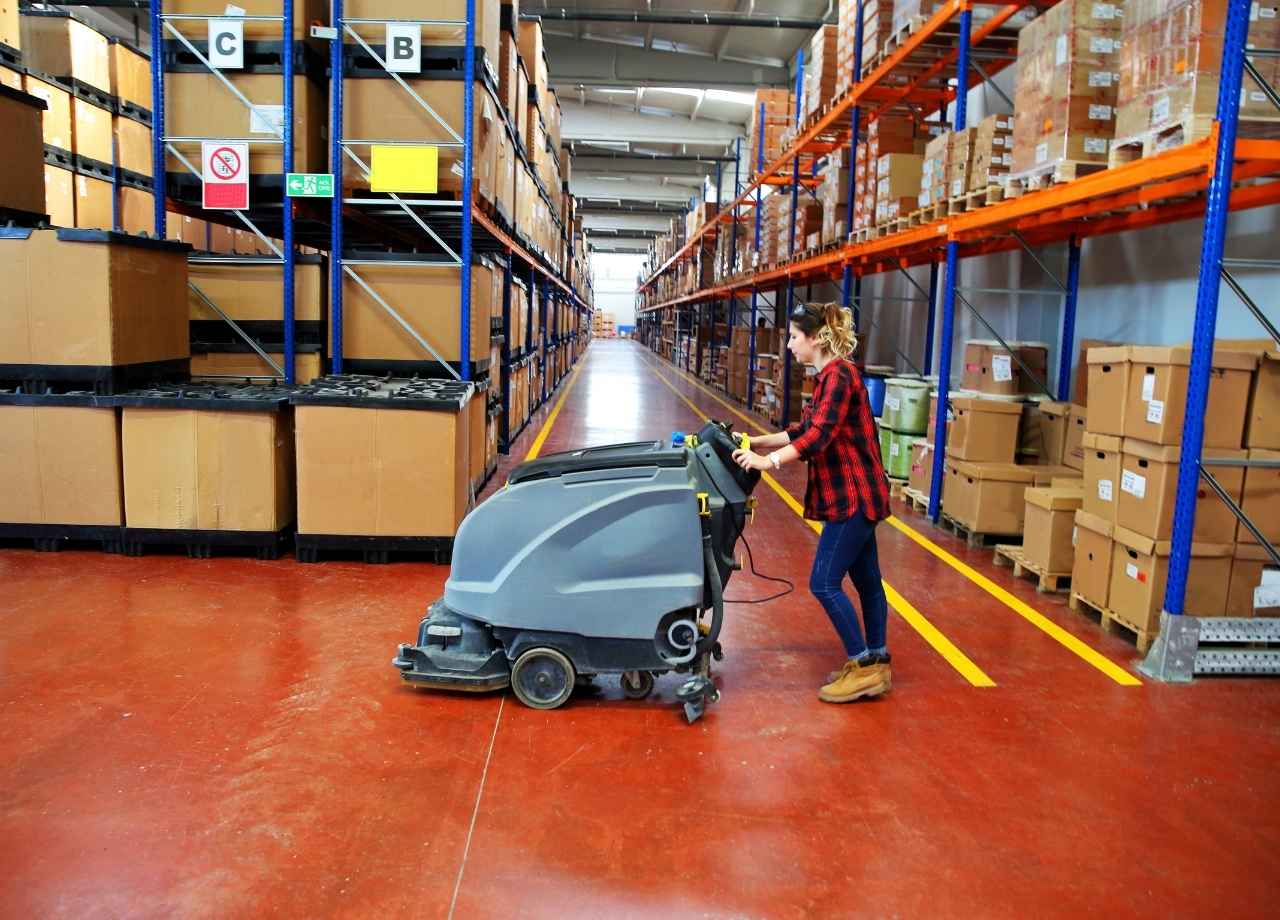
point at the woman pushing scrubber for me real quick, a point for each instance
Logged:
(847, 491)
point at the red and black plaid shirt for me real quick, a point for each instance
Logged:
(837, 436)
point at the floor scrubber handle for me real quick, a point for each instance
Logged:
(717, 595)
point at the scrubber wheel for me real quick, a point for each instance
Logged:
(543, 678)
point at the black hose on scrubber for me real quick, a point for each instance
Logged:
(717, 594)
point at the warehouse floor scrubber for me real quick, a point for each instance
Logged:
(608, 560)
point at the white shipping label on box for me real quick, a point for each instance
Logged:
(1100, 112)
(1095, 145)
(1100, 45)
(1134, 484)
(957, 186)
(1105, 11)
(1266, 597)
(1099, 78)
(404, 47)
(1104, 490)
(1160, 110)
(1267, 12)
(1155, 411)
(267, 119)
(1060, 52)
(1042, 153)
(1132, 571)
(1148, 387)
(226, 44)
(1001, 368)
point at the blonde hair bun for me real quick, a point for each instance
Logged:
(837, 335)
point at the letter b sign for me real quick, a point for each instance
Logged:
(226, 44)
(404, 47)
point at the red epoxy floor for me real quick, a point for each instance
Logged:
(227, 738)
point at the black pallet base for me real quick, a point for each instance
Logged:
(20, 218)
(215, 335)
(260, 57)
(81, 90)
(104, 380)
(57, 156)
(10, 57)
(50, 538)
(308, 547)
(133, 112)
(200, 544)
(432, 370)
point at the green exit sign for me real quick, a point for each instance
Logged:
(309, 185)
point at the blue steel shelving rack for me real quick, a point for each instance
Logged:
(1216, 177)
(161, 143)
(539, 276)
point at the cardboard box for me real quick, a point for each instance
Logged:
(990, 368)
(90, 131)
(198, 105)
(221, 366)
(205, 469)
(383, 472)
(93, 203)
(1140, 566)
(921, 477)
(56, 123)
(111, 302)
(1048, 524)
(137, 211)
(1261, 492)
(21, 151)
(426, 296)
(1102, 460)
(59, 464)
(130, 71)
(249, 292)
(983, 430)
(56, 44)
(988, 497)
(1246, 574)
(1147, 485)
(60, 196)
(305, 12)
(1080, 391)
(10, 33)
(1156, 401)
(1073, 448)
(1263, 429)
(10, 78)
(133, 146)
(1109, 371)
(1053, 432)
(1091, 566)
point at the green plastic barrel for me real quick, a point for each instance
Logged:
(885, 433)
(906, 405)
(898, 457)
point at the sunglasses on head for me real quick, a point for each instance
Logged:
(801, 311)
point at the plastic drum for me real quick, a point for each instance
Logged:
(898, 458)
(875, 393)
(885, 434)
(906, 405)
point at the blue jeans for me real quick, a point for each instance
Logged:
(849, 548)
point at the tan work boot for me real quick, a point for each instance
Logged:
(857, 681)
(880, 661)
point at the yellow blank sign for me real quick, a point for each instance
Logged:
(404, 169)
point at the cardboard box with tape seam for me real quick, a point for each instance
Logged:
(1149, 481)
(1091, 566)
(1247, 566)
(1155, 403)
(1048, 526)
(1140, 568)
(57, 43)
(989, 497)
(983, 430)
(21, 151)
(1261, 496)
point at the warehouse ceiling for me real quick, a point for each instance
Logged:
(652, 105)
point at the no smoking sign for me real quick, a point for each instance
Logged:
(225, 169)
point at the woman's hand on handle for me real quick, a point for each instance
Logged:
(750, 460)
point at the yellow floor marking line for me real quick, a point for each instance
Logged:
(1023, 609)
(915, 619)
(555, 411)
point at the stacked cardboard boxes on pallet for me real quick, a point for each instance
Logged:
(778, 117)
(1065, 95)
(1169, 63)
(820, 70)
(1131, 452)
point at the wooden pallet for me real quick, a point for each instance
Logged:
(1108, 620)
(896, 486)
(918, 500)
(897, 39)
(971, 201)
(1186, 131)
(1043, 177)
(973, 538)
(1048, 582)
